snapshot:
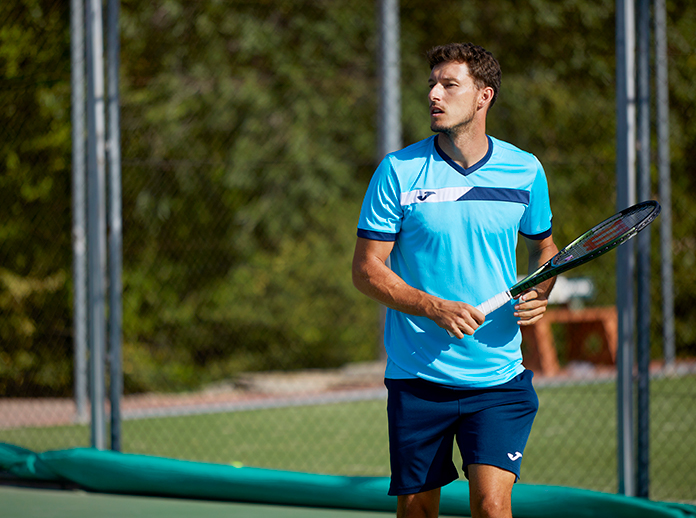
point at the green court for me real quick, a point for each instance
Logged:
(117, 484)
(50, 503)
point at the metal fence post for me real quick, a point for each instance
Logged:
(643, 248)
(79, 223)
(389, 119)
(96, 212)
(115, 225)
(665, 189)
(625, 196)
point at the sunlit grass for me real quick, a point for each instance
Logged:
(573, 442)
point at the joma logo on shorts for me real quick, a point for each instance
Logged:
(514, 457)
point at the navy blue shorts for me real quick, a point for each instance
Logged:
(491, 425)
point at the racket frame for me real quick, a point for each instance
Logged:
(550, 269)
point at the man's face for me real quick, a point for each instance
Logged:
(453, 98)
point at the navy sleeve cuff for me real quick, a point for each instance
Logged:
(538, 237)
(376, 236)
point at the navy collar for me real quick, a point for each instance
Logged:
(459, 168)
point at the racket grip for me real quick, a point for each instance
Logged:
(495, 302)
(490, 305)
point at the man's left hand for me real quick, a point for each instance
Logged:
(530, 307)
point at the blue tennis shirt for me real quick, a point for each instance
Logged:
(455, 232)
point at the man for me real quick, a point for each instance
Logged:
(445, 212)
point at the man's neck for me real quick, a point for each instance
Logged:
(464, 150)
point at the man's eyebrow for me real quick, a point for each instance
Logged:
(442, 79)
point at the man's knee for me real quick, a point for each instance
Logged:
(419, 505)
(490, 491)
(490, 506)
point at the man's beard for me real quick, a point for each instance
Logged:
(454, 130)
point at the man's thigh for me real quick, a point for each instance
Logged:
(497, 424)
(422, 425)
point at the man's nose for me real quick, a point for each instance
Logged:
(434, 93)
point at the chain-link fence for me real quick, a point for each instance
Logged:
(248, 139)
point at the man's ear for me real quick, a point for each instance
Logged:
(485, 97)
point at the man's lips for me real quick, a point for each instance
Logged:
(434, 111)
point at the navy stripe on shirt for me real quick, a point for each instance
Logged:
(496, 194)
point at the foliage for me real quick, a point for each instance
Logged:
(249, 174)
(35, 251)
(248, 133)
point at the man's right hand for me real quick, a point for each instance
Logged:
(457, 318)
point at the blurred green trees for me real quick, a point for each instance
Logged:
(248, 139)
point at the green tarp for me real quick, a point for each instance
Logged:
(112, 472)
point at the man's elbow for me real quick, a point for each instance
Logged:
(359, 278)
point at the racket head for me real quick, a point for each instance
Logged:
(608, 234)
(599, 240)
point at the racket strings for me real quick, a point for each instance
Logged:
(605, 234)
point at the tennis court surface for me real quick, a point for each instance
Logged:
(121, 484)
(49, 503)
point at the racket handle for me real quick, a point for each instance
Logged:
(490, 305)
(495, 302)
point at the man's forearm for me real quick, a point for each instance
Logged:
(539, 254)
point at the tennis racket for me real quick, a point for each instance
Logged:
(597, 241)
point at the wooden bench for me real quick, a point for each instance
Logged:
(581, 324)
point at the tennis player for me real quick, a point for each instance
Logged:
(437, 235)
